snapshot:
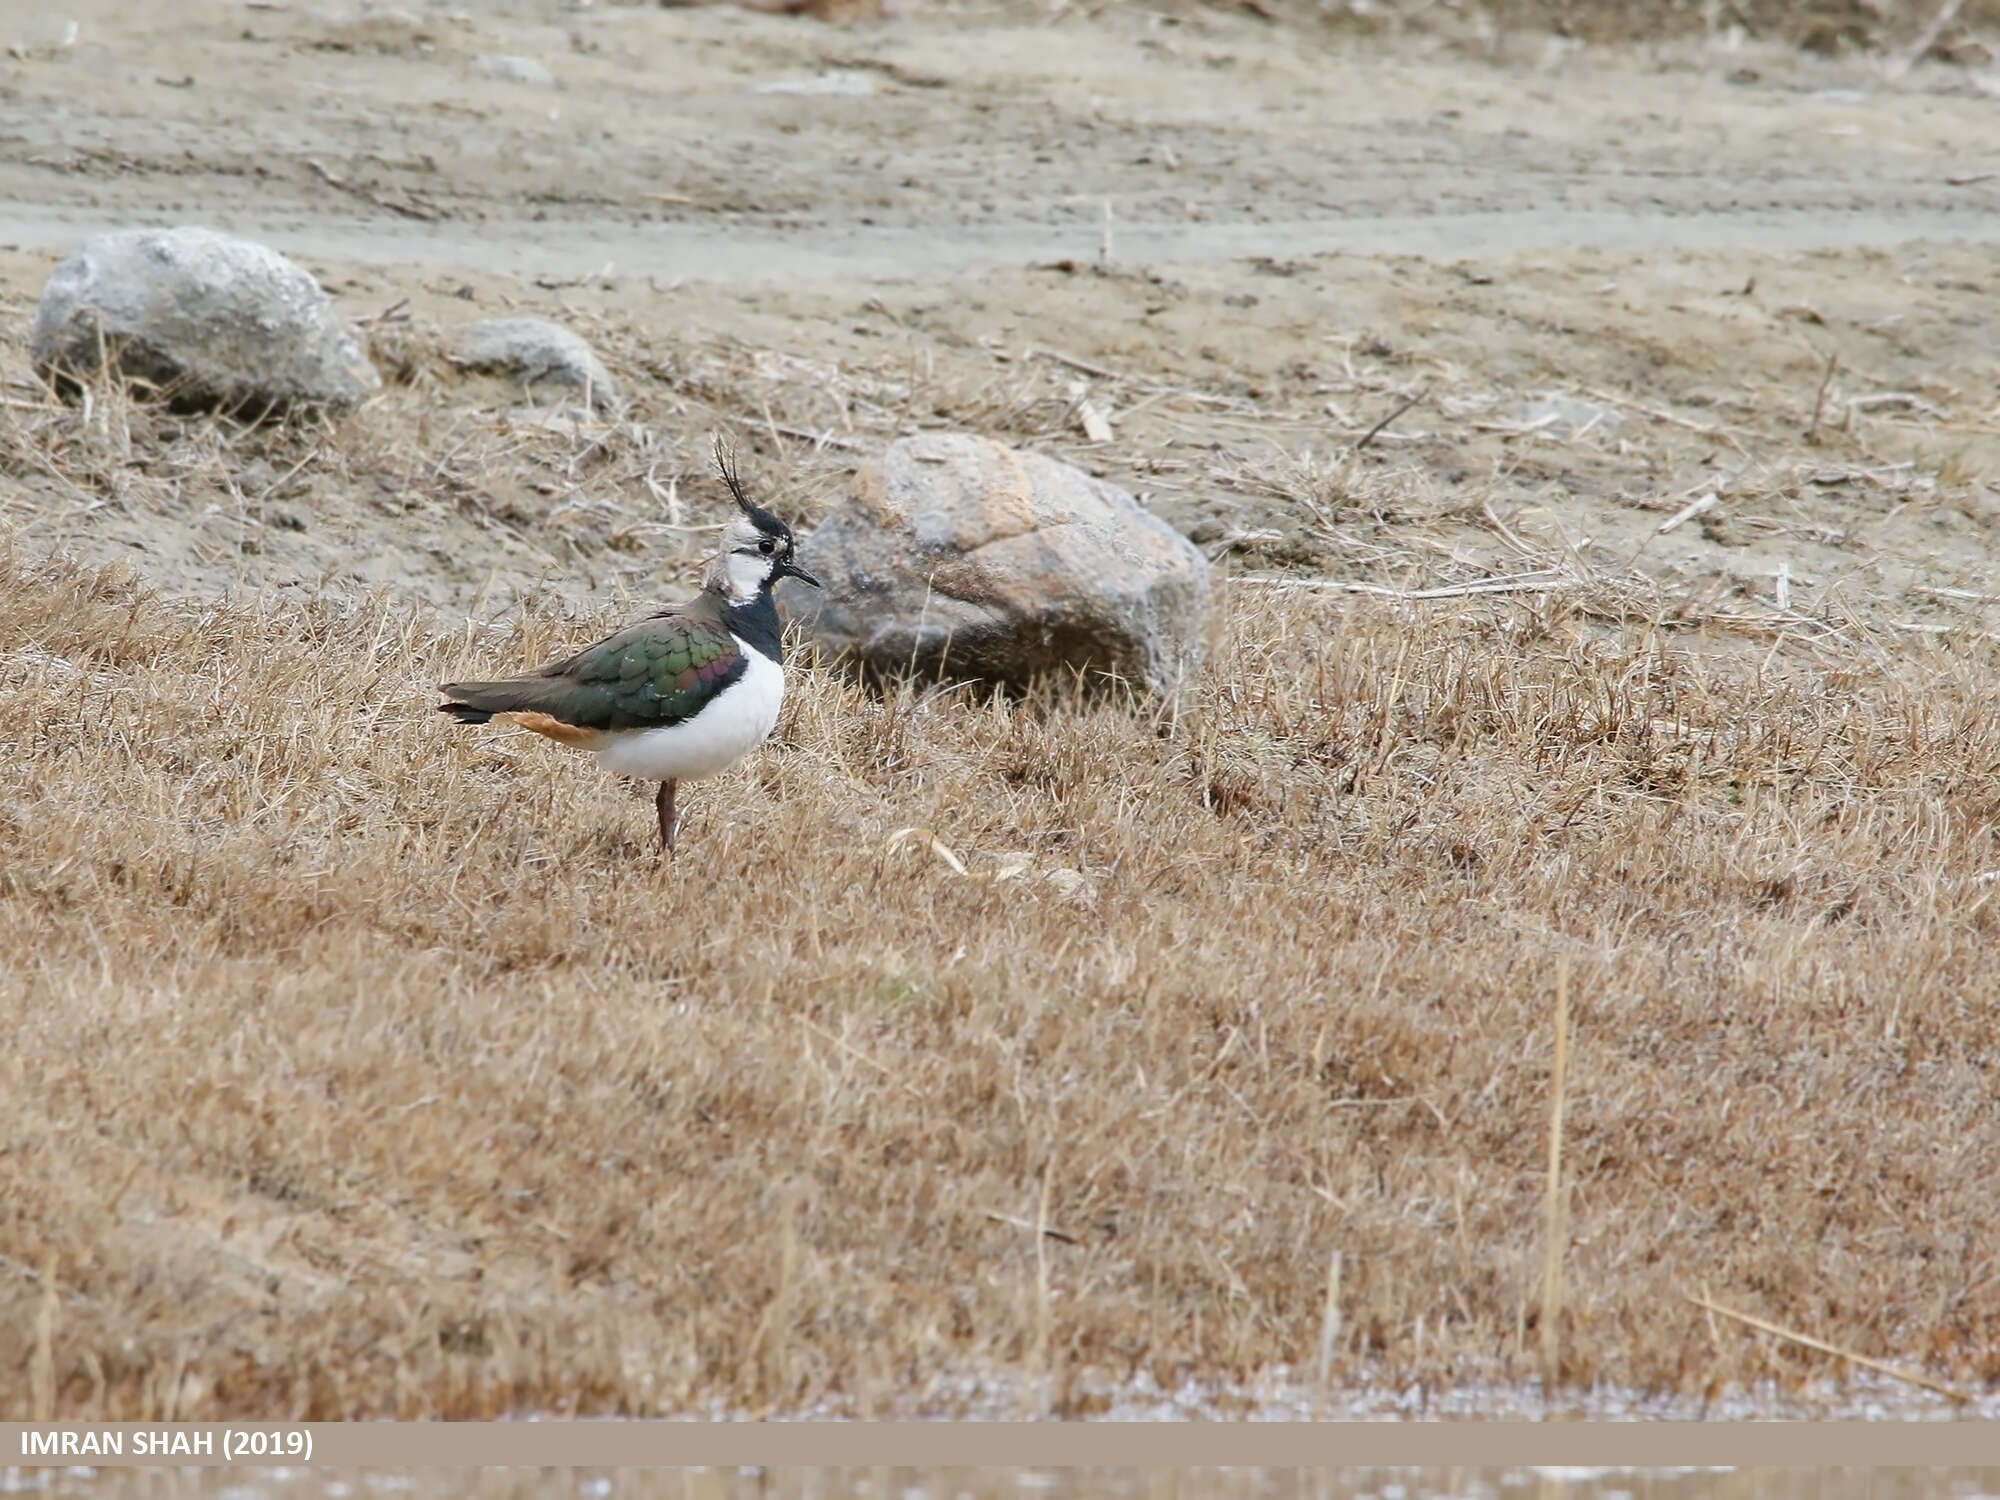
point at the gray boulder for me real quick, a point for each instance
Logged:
(535, 351)
(955, 554)
(212, 319)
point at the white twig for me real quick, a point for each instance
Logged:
(1542, 582)
(1688, 512)
(1074, 363)
(1897, 66)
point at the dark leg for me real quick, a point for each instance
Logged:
(669, 820)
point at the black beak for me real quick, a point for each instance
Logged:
(793, 570)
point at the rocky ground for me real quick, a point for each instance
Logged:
(1615, 278)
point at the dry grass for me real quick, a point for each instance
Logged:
(364, 1065)
(359, 1065)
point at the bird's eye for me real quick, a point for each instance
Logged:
(767, 546)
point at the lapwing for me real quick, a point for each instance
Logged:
(682, 694)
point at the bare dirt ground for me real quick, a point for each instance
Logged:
(360, 1068)
(859, 228)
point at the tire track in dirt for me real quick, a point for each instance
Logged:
(716, 145)
(750, 256)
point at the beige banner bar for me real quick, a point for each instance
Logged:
(1001, 1444)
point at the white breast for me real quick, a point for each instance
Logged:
(729, 728)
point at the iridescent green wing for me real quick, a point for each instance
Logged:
(657, 672)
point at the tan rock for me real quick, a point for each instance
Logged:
(955, 555)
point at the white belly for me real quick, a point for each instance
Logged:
(716, 738)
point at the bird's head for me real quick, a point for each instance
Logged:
(756, 545)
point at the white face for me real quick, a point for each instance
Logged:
(746, 560)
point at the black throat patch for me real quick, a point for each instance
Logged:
(756, 624)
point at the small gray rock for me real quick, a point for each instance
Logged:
(517, 70)
(535, 351)
(214, 320)
(953, 553)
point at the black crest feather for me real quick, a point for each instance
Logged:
(761, 518)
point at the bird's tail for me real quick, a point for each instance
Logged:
(478, 702)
